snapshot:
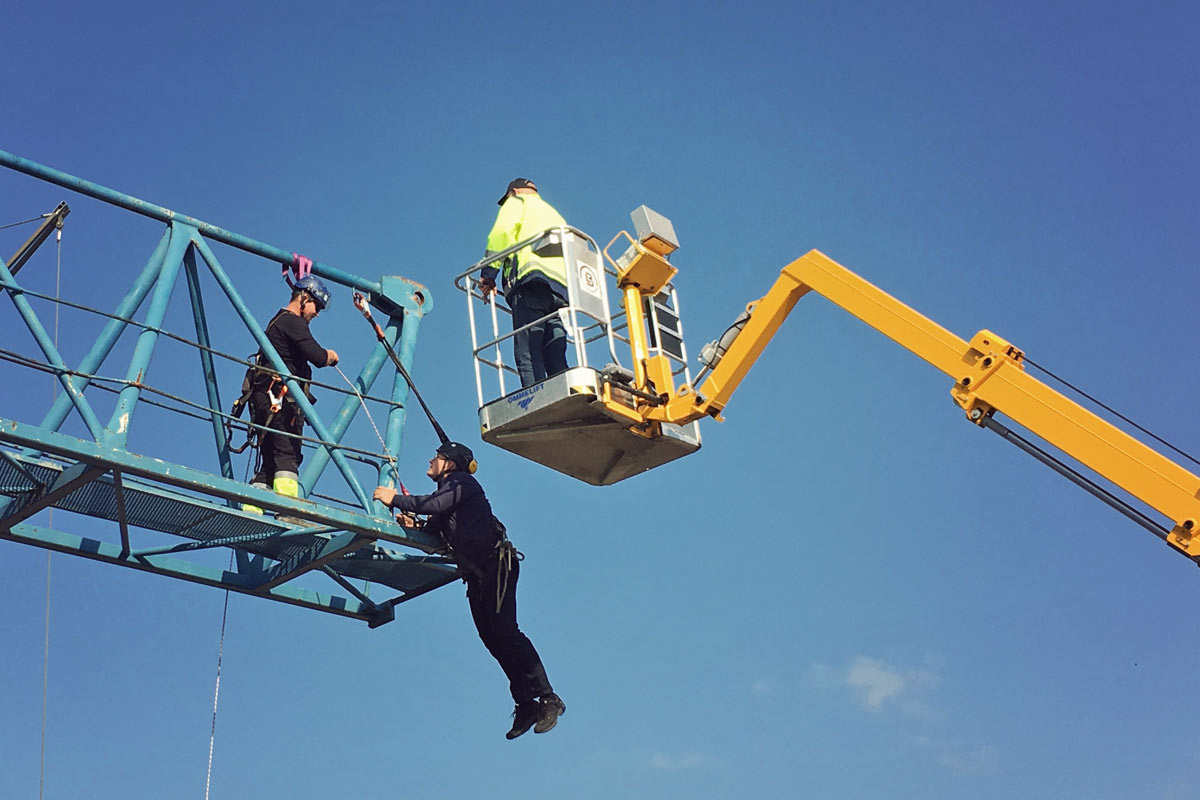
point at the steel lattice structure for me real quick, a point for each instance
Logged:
(42, 467)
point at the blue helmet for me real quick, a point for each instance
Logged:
(315, 288)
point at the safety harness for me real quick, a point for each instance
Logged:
(277, 395)
(277, 389)
(506, 553)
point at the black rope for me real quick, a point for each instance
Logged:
(360, 302)
(368, 457)
(22, 222)
(338, 500)
(1112, 411)
(197, 345)
(99, 382)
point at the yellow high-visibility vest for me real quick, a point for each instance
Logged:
(523, 216)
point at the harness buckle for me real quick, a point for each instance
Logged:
(276, 399)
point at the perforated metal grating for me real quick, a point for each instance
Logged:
(202, 519)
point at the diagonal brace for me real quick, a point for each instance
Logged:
(226, 541)
(347, 585)
(68, 481)
(34, 484)
(313, 557)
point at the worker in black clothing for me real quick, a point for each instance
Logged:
(270, 406)
(459, 512)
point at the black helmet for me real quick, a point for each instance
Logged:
(459, 455)
(515, 183)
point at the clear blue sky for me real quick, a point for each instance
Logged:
(850, 592)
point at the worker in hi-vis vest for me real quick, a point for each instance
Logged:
(533, 280)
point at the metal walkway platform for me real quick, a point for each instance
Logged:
(559, 423)
(270, 553)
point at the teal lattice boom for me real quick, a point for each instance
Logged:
(42, 467)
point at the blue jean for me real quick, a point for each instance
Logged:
(540, 351)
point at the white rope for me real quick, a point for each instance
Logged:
(49, 523)
(212, 736)
(45, 677)
(386, 453)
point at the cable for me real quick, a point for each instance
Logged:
(366, 456)
(1112, 411)
(190, 343)
(22, 222)
(386, 453)
(49, 523)
(99, 380)
(45, 681)
(360, 302)
(212, 736)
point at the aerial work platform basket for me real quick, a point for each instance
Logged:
(573, 422)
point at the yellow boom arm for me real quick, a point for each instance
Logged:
(989, 375)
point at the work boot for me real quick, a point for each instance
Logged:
(524, 716)
(550, 706)
(288, 485)
(250, 507)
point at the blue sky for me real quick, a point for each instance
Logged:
(849, 592)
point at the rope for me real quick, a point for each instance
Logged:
(360, 302)
(22, 222)
(503, 570)
(98, 381)
(212, 736)
(1112, 411)
(45, 681)
(187, 341)
(49, 523)
(386, 453)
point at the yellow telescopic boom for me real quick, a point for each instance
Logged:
(989, 376)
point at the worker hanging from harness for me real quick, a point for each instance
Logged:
(460, 513)
(266, 393)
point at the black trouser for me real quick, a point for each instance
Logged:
(276, 453)
(520, 661)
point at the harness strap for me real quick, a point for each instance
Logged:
(239, 406)
(254, 436)
(505, 552)
(276, 399)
